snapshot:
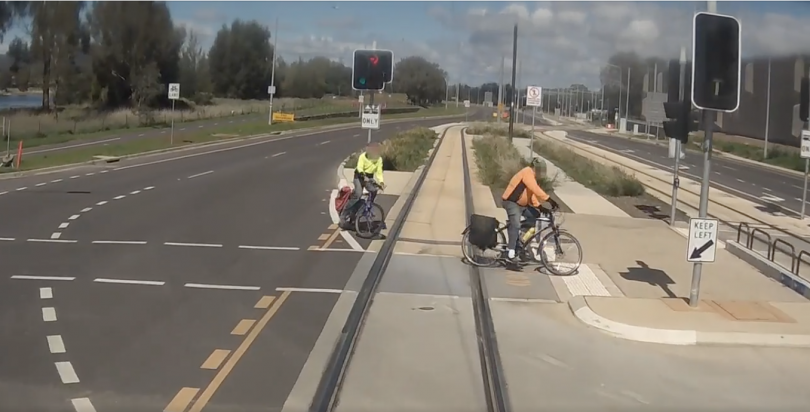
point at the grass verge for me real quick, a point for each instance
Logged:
(403, 152)
(605, 180)
(146, 144)
(787, 157)
(498, 160)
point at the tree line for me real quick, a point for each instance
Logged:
(114, 54)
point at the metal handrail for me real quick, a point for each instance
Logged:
(792, 252)
(747, 232)
(753, 237)
(799, 261)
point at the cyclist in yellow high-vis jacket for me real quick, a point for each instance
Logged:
(369, 170)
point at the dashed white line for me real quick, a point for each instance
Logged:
(66, 372)
(56, 180)
(119, 197)
(192, 244)
(309, 290)
(49, 314)
(40, 184)
(104, 171)
(323, 142)
(141, 135)
(45, 293)
(90, 174)
(148, 188)
(52, 240)
(73, 217)
(63, 225)
(224, 287)
(75, 177)
(87, 209)
(101, 203)
(741, 181)
(269, 247)
(55, 344)
(200, 174)
(32, 277)
(83, 405)
(7, 239)
(56, 235)
(21, 188)
(130, 281)
(2, 193)
(279, 154)
(119, 242)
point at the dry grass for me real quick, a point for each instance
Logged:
(403, 152)
(497, 129)
(498, 160)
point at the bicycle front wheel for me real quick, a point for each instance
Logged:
(560, 253)
(369, 223)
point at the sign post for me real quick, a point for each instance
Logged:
(271, 90)
(534, 98)
(174, 94)
(702, 244)
(805, 153)
(466, 109)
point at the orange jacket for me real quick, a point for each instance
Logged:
(524, 190)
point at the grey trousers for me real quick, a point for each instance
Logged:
(513, 213)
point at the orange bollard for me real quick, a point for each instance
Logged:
(19, 154)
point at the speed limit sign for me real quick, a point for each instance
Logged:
(534, 96)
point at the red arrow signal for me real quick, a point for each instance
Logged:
(374, 60)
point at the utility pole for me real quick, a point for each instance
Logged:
(500, 90)
(273, 75)
(514, 74)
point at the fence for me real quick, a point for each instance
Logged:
(772, 246)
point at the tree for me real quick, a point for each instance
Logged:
(422, 81)
(240, 60)
(19, 53)
(191, 57)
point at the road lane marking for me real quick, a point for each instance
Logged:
(119, 242)
(66, 372)
(63, 225)
(215, 359)
(192, 244)
(87, 209)
(323, 142)
(323, 237)
(56, 180)
(135, 192)
(7, 239)
(331, 239)
(21, 188)
(264, 302)
(278, 154)
(46, 293)
(119, 197)
(73, 217)
(741, 181)
(101, 203)
(104, 171)
(309, 290)
(32, 277)
(130, 281)
(49, 314)
(237, 355)
(223, 287)
(90, 174)
(83, 405)
(148, 188)
(243, 327)
(181, 400)
(767, 189)
(141, 135)
(73, 145)
(2, 193)
(56, 344)
(200, 174)
(52, 240)
(56, 235)
(40, 184)
(75, 177)
(269, 247)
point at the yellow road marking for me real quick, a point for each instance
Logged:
(323, 236)
(242, 327)
(331, 239)
(237, 355)
(181, 400)
(264, 302)
(313, 248)
(518, 280)
(333, 227)
(215, 359)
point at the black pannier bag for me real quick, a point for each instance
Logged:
(483, 231)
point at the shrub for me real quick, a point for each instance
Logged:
(496, 129)
(605, 180)
(498, 160)
(404, 152)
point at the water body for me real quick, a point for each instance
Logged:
(22, 100)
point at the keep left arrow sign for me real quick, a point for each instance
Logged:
(698, 251)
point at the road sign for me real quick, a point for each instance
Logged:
(467, 103)
(370, 118)
(702, 244)
(360, 98)
(805, 144)
(534, 96)
(174, 91)
(271, 89)
(283, 117)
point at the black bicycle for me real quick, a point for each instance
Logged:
(369, 219)
(543, 246)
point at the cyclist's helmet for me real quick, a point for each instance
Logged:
(535, 163)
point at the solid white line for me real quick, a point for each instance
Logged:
(344, 250)
(309, 290)
(192, 244)
(56, 180)
(8, 239)
(63, 225)
(226, 287)
(66, 372)
(119, 197)
(149, 188)
(45, 293)
(51, 240)
(49, 314)
(21, 188)
(101, 203)
(32, 277)
(83, 405)
(40, 184)
(119, 242)
(135, 192)
(87, 209)
(130, 282)
(56, 344)
(278, 154)
(200, 174)
(269, 247)
(56, 235)
(74, 145)
(73, 217)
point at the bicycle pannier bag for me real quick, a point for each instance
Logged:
(342, 198)
(483, 231)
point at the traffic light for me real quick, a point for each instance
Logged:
(673, 81)
(681, 122)
(804, 99)
(716, 62)
(372, 69)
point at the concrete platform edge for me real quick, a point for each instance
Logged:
(580, 309)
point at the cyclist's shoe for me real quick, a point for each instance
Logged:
(513, 264)
(345, 224)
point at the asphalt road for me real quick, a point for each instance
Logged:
(154, 282)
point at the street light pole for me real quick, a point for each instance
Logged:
(273, 75)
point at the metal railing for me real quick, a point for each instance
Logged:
(772, 246)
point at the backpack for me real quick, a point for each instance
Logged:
(343, 196)
(483, 231)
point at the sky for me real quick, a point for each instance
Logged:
(559, 43)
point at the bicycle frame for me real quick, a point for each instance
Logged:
(369, 200)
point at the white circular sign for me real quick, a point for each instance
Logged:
(534, 92)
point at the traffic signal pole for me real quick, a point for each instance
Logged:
(675, 171)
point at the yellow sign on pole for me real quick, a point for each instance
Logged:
(500, 107)
(283, 117)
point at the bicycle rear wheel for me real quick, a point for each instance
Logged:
(482, 257)
(560, 253)
(369, 224)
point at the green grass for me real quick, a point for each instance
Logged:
(188, 137)
(605, 180)
(778, 155)
(498, 160)
(403, 152)
(497, 129)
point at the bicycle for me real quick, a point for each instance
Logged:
(546, 241)
(367, 211)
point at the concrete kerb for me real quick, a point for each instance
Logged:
(579, 307)
(63, 168)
